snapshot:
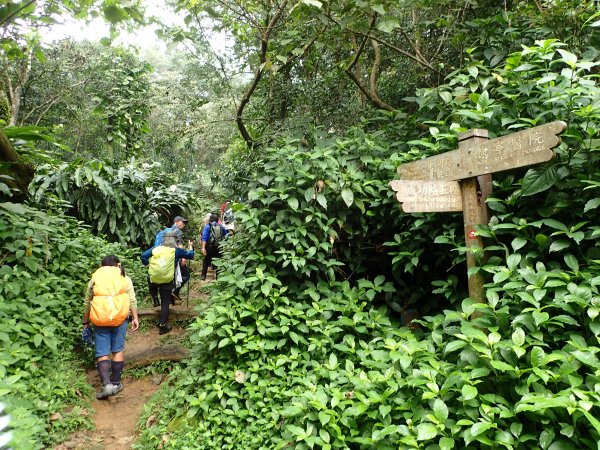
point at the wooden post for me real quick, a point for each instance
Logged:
(461, 180)
(474, 191)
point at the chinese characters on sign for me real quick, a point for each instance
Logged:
(520, 149)
(430, 195)
(460, 180)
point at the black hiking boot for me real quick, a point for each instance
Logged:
(164, 329)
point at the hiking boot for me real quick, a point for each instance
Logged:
(203, 277)
(117, 388)
(155, 302)
(107, 391)
(164, 329)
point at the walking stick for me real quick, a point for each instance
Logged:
(187, 300)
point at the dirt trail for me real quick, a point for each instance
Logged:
(116, 417)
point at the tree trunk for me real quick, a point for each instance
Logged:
(12, 165)
(152, 355)
(14, 92)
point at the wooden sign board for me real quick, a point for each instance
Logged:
(428, 195)
(520, 149)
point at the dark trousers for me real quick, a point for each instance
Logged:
(211, 253)
(185, 277)
(164, 290)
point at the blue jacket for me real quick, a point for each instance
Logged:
(206, 231)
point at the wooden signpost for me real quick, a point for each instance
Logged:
(460, 180)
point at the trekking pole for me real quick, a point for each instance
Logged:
(187, 300)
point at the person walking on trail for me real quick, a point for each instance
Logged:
(109, 300)
(176, 230)
(162, 262)
(178, 226)
(212, 235)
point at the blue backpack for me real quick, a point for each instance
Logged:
(160, 237)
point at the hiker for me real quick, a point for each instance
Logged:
(162, 262)
(212, 234)
(224, 207)
(179, 224)
(109, 299)
(176, 230)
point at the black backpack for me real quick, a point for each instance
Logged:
(216, 235)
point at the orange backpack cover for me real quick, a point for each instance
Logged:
(110, 305)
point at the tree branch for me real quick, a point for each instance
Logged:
(264, 47)
(8, 18)
(370, 94)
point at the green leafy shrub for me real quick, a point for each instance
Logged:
(299, 350)
(127, 204)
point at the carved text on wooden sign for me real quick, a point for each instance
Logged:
(428, 195)
(520, 149)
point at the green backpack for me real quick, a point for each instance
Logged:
(162, 265)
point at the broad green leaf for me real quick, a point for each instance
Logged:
(454, 345)
(292, 410)
(295, 430)
(518, 243)
(440, 410)
(568, 57)
(14, 208)
(480, 427)
(562, 445)
(539, 179)
(426, 431)
(378, 9)
(322, 200)
(293, 202)
(446, 443)
(518, 337)
(348, 197)
(592, 204)
(114, 14)
(540, 317)
(513, 261)
(384, 410)
(557, 246)
(468, 392)
(572, 262)
(587, 358)
(333, 361)
(37, 340)
(538, 356)
(389, 25)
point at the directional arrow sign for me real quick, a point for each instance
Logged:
(520, 149)
(428, 195)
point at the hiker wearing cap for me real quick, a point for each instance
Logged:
(162, 262)
(179, 224)
(175, 230)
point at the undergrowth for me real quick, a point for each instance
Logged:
(301, 346)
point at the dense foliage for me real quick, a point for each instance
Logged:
(128, 205)
(302, 349)
(303, 344)
(46, 263)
